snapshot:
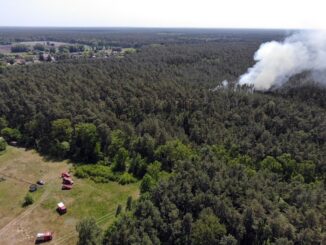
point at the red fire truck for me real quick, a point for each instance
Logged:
(66, 187)
(61, 208)
(65, 174)
(67, 181)
(44, 237)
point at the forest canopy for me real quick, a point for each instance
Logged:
(218, 165)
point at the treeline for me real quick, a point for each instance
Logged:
(20, 48)
(134, 37)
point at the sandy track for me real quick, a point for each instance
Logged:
(14, 232)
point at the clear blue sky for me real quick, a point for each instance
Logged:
(165, 13)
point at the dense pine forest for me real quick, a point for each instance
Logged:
(217, 164)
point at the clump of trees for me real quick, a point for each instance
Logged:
(3, 144)
(89, 232)
(19, 48)
(39, 47)
(28, 200)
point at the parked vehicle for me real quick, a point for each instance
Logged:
(65, 175)
(13, 143)
(41, 182)
(61, 208)
(66, 187)
(67, 181)
(44, 237)
(33, 187)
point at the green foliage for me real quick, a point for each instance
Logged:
(39, 47)
(154, 170)
(288, 168)
(86, 144)
(207, 229)
(118, 211)
(64, 49)
(89, 232)
(150, 180)
(308, 170)
(228, 240)
(288, 164)
(121, 160)
(256, 159)
(97, 173)
(146, 144)
(117, 141)
(76, 48)
(147, 183)
(129, 204)
(3, 144)
(138, 166)
(61, 149)
(215, 202)
(3, 123)
(172, 152)
(61, 130)
(61, 135)
(126, 178)
(11, 134)
(19, 48)
(28, 200)
(272, 164)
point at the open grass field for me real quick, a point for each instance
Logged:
(19, 225)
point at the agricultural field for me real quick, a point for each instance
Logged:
(19, 225)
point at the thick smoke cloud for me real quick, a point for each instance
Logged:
(278, 61)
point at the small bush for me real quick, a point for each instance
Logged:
(97, 173)
(11, 134)
(118, 211)
(3, 144)
(126, 178)
(28, 200)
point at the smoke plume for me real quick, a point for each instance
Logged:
(278, 61)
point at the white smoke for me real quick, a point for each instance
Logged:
(225, 83)
(278, 61)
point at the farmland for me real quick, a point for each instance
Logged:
(19, 225)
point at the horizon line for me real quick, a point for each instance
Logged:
(160, 27)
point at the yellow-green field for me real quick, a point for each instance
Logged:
(19, 225)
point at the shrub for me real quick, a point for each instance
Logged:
(126, 178)
(97, 173)
(147, 184)
(28, 200)
(3, 144)
(118, 211)
(11, 134)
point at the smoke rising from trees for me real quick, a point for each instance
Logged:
(278, 61)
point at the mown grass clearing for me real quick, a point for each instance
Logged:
(19, 225)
